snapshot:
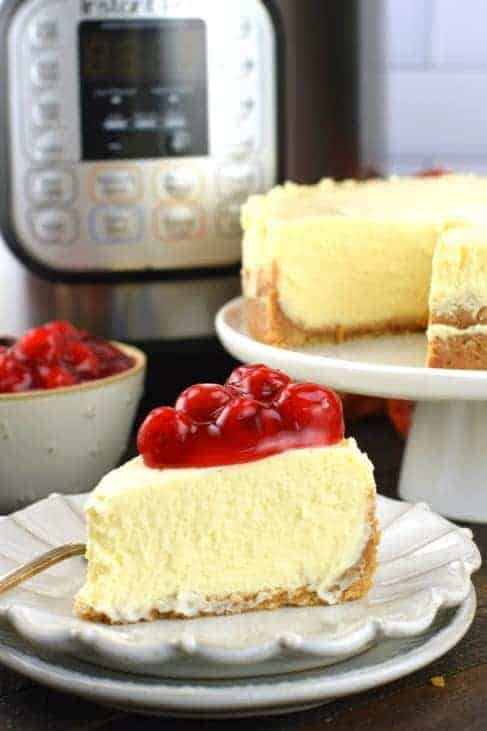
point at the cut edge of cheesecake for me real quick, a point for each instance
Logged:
(457, 329)
(354, 583)
(358, 581)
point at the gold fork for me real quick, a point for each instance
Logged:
(41, 563)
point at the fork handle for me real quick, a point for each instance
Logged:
(39, 564)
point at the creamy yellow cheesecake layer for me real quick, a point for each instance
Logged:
(186, 540)
(459, 282)
(353, 254)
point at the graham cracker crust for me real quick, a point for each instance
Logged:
(461, 352)
(302, 597)
(267, 323)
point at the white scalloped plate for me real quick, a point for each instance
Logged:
(425, 565)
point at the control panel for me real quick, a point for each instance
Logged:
(136, 130)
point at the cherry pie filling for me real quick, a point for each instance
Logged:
(259, 412)
(57, 355)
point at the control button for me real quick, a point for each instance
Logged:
(244, 109)
(238, 67)
(49, 146)
(247, 65)
(115, 123)
(178, 141)
(179, 182)
(238, 179)
(51, 187)
(228, 219)
(146, 121)
(243, 28)
(179, 222)
(117, 224)
(116, 185)
(44, 33)
(46, 71)
(47, 111)
(53, 226)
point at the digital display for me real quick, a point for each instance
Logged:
(143, 88)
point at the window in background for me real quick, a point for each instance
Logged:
(424, 81)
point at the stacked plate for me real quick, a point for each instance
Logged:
(421, 604)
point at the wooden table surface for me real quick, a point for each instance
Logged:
(412, 704)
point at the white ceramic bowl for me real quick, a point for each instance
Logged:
(65, 440)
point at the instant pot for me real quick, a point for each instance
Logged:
(131, 132)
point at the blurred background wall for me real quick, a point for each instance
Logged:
(424, 84)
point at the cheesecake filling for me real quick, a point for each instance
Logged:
(329, 281)
(443, 332)
(192, 541)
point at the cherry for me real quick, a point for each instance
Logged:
(259, 381)
(63, 329)
(240, 423)
(307, 405)
(163, 437)
(42, 344)
(58, 377)
(203, 401)
(15, 375)
(271, 422)
(82, 358)
(110, 359)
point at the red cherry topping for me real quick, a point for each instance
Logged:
(221, 425)
(42, 344)
(240, 423)
(307, 405)
(203, 401)
(63, 328)
(163, 437)
(82, 359)
(15, 376)
(58, 377)
(57, 355)
(258, 381)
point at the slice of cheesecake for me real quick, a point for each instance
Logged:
(276, 510)
(457, 332)
(337, 260)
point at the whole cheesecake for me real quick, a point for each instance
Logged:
(339, 260)
(244, 497)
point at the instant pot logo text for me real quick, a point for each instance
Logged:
(127, 7)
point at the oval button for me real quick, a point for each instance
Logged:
(47, 111)
(117, 224)
(178, 182)
(178, 222)
(52, 226)
(238, 179)
(51, 187)
(44, 33)
(116, 185)
(49, 146)
(46, 71)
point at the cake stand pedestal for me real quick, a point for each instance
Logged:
(445, 462)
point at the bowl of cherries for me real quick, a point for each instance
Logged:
(67, 404)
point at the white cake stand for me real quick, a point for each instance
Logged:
(445, 463)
